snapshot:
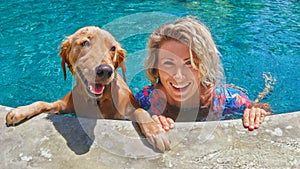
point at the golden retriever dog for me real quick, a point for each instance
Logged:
(92, 56)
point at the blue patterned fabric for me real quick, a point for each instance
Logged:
(229, 102)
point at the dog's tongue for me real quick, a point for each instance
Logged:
(96, 88)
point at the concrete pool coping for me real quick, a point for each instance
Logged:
(54, 141)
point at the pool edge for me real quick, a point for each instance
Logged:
(54, 142)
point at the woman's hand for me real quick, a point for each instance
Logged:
(153, 131)
(253, 117)
(165, 122)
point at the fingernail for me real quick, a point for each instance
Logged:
(166, 128)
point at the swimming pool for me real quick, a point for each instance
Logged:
(253, 37)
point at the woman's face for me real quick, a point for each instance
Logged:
(176, 74)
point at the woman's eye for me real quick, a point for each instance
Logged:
(168, 63)
(188, 62)
(85, 43)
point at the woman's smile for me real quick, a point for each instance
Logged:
(180, 87)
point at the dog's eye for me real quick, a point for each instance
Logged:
(85, 43)
(113, 48)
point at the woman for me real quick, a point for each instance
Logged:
(187, 80)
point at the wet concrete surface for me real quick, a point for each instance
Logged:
(55, 141)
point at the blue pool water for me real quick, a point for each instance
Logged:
(253, 37)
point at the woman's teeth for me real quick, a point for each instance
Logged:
(180, 86)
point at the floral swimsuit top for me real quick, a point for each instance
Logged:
(228, 103)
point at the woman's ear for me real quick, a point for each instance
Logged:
(64, 52)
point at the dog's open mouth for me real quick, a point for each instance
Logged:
(94, 89)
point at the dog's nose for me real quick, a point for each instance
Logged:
(104, 71)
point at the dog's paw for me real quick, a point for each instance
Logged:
(156, 136)
(14, 117)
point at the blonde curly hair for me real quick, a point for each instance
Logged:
(204, 54)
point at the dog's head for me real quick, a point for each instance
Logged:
(92, 55)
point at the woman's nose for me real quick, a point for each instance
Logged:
(179, 74)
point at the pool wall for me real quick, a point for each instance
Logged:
(54, 141)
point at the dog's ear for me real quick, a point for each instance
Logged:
(64, 52)
(119, 56)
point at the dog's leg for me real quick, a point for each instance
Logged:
(21, 113)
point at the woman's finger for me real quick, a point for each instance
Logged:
(171, 122)
(164, 123)
(156, 119)
(246, 118)
(251, 118)
(257, 118)
(263, 115)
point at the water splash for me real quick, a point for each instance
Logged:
(270, 81)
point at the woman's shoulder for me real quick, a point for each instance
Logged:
(230, 91)
(229, 95)
(144, 92)
(232, 100)
(143, 97)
